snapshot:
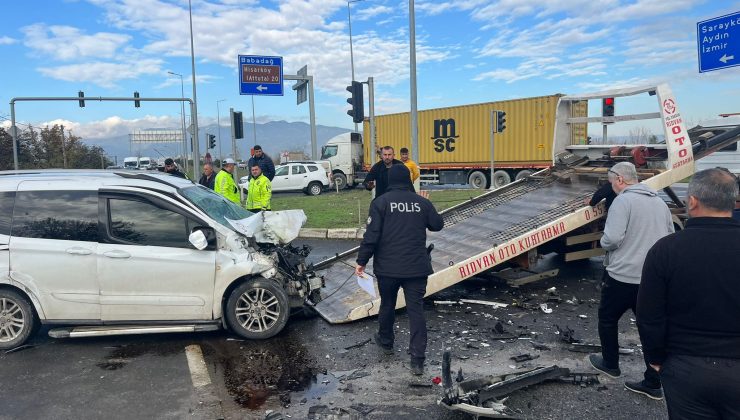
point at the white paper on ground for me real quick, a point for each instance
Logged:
(367, 284)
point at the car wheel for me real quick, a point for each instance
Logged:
(340, 180)
(314, 188)
(257, 309)
(17, 319)
(478, 180)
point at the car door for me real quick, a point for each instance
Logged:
(281, 181)
(53, 245)
(147, 268)
(298, 177)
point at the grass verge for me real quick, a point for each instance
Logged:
(349, 208)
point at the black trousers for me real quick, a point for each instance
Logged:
(701, 387)
(616, 298)
(413, 290)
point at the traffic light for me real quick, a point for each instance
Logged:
(607, 107)
(501, 121)
(238, 124)
(211, 141)
(137, 103)
(81, 94)
(358, 105)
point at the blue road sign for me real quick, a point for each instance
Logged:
(260, 75)
(718, 40)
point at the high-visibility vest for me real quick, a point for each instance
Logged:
(225, 185)
(259, 193)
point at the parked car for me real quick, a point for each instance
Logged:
(79, 241)
(311, 177)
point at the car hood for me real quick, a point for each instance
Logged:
(275, 227)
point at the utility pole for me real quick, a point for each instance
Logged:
(412, 77)
(64, 150)
(218, 124)
(194, 106)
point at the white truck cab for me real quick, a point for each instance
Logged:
(345, 154)
(131, 162)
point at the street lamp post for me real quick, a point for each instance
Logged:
(196, 143)
(182, 114)
(218, 124)
(412, 76)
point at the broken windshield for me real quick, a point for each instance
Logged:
(214, 205)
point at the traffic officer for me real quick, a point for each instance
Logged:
(224, 183)
(259, 191)
(396, 238)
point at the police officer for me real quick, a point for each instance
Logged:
(259, 192)
(224, 183)
(396, 238)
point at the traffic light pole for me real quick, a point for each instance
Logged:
(311, 110)
(494, 115)
(81, 100)
(371, 108)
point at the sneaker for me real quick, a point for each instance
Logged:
(417, 367)
(640, 388)
(387, 350)
(598, 363)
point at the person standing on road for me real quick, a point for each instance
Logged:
(378, 176)
(736, 212)
(266, 165)
(208, 176)
(637, 219)
(259, 193)
(224, 182)
(172, 169)
(413, 167)
(689, 304)
(396, 240)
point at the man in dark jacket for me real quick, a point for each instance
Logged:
(688, 306)
(172, 169)
(378, 176)
(208, 176)
(264, 162)
(396, 239)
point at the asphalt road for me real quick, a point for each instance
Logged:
(313, 364)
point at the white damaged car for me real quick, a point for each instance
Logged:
(120, 252)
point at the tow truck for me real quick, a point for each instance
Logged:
(513, 223)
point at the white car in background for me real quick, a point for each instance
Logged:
(311, 177)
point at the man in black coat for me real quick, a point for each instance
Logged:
(208, 177)
(396, 238)
(264, 162)
(378, 176)
(171, 168)
(688, 305)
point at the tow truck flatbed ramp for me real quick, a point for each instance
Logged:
(474, 228)
(511, 221)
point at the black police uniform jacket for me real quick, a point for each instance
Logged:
(396, 232)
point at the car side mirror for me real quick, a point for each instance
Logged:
(203, 237)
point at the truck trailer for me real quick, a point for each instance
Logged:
(456, 147)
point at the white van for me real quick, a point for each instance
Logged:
(123, 252)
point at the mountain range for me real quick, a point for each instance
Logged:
(274, 137)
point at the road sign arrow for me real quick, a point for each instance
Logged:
(261, 88)
(725, 58)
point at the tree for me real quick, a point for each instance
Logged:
(50, 148)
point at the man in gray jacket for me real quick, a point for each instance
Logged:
(637, 219)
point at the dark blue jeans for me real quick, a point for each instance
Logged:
(616, 298)
(413, 290)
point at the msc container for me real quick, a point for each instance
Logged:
(459, 137)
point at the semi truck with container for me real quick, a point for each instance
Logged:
(455, 145)
(545, 211)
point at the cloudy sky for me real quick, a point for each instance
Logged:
(468, 51)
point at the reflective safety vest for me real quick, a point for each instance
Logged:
(259, 194)
(225, 185)
(413, 169)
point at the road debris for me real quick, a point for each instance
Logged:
(523, 357)
(486, 396)
(485, 302)
(567, 335)
(545, 309)
(539, 346)
(595, 348)
(357, 345)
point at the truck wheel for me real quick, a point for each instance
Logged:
(523, 174)
(478, 180)
(340, 180)
(17, 319)
(500, 178)
(257, 309)
(314, 188)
